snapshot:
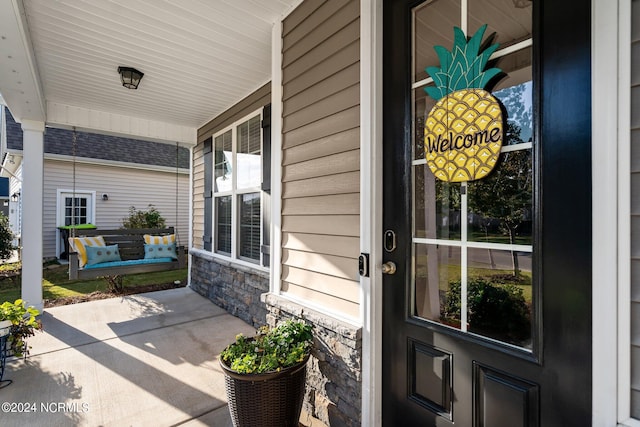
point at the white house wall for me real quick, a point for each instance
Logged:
(125, 187)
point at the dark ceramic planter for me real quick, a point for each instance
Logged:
(272, 399)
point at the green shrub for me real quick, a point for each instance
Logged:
(495, 310)
(271, 349)
(23, 325)
(6, 238)
(150, 218)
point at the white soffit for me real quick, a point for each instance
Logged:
(198, 57)
(19, 83)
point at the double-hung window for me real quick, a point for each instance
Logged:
(237, 204)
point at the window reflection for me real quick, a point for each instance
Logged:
(223, 225)
(517, 102)
(249, 160)
(437, 266)
(223, 162)
(499, 295)
(250, 226)
(473, 241)
(501, 205)
(433, 23)
(437, 206)
(499, 291)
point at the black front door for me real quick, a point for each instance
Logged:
(487, 316)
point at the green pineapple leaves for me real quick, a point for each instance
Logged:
(463, 67)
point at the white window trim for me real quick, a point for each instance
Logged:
(276, 158)
(611, 387)
(624, 213)
(59, 219)
(371, 208)
(234, 193)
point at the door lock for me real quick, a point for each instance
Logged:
(389, 267)
(389, 241)
(363, 265)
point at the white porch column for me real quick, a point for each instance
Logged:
(32, 188)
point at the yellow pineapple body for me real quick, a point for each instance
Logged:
(463, 135)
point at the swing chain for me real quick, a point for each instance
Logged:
(74, 149)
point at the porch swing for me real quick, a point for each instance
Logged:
(97, 253)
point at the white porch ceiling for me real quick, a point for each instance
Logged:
(59, 59)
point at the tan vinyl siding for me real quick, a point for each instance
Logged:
(198, 197)
(635, 210)
(327, 127)
(248, 105)
(340, 225)
(252, 103)
(151, 187)
(321, 154)
(337, 143)
(324, 166)
(350, 76)
(338, 184)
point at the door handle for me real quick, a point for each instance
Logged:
(389, 267)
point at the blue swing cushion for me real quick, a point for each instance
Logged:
(160, 250)
(101, 254)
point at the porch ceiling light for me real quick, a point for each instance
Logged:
(130, 77)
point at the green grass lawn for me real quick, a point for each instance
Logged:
(56, 283)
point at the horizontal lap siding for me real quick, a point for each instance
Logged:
(198, 197)
(340, 225)
(151, 187)
(248, 105)
(321, 154)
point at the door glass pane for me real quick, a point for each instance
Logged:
(510, 21)
(501, 205)
(76, 210)
(249, 164)
(473, 241)
(433, 25)
(499, 295)
(223, 162)
(436, 206)
(437, 271)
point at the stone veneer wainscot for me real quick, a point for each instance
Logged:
(232, 286)
(334, 373)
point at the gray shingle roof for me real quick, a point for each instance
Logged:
(103, 147)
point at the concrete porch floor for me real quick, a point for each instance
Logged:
(141, 360)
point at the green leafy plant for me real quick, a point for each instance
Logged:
(6, 238)
(151, 218)
(495, 310)
(23, 325)
(271, 349)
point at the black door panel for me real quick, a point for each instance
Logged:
(435, 375)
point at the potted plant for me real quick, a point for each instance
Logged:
(265, 375)
(21, 323)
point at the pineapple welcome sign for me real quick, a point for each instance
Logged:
(463, 131)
